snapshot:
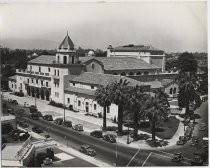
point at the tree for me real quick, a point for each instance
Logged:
(135, 105)
(187, 62)
(187, 91)
(157, 110)
(102, 96)
(118, 93)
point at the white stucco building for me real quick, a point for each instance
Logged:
(71, 80)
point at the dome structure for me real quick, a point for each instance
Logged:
(91, 53)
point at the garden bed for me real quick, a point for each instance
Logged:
(166, 129)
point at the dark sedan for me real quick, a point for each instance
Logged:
(109, 138)
(37, 130)
(48, 117)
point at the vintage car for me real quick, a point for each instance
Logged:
(182, 140)
(97, 134)
(48, 117)
(58, 121)
(197, 160)
(109, 138)
(87, 150)
(78, 127)
(67, 123)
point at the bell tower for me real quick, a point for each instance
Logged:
(66, 53)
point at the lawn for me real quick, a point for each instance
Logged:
(166, 129)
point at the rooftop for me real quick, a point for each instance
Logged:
(66, 43)
(10, 151)
(123, 63)
(132, 47)
(104, 79)
(12, 78)
(80, 90)
(43, 59)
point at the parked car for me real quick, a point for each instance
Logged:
(197, 160)
(205, 142)
(178, 157)
(87, 150)
(38, 130)
(109, 138)
(67, 123)
(202, 127)
(39, 113)
(58, 121)
(182, 140)
(194, 141)
(47, 161)
(34, 116)
(97, 134)
(78, 127)
(48, 117)
(23, 124)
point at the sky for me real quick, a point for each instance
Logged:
(170, 26)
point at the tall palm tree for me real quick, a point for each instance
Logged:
(135, 105)
(157, 110)
(118, 93)
(187, 91)
(102, 96)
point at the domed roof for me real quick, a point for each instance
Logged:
(91, 53)
(66, 43)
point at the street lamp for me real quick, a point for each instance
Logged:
(116, 156)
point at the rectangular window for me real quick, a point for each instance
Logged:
(58, 72)
(48, 69)
(28, 80)
(42, 83)
(32, 81)
(95, 106)
(68, 100)
(73, 84)
(30, 68)
(79, 103)
(37, 81)
(47, 84)
(39, 69)
(21, 86)
(12, 85)
(55, 72)
(92, 87)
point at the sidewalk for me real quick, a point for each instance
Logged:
(91, 123)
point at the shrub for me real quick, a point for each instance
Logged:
(53, 103)
(100, 115)
(145, 124)
(111, 128)
(70, 107)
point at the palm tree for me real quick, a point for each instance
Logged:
(102, 96)
(118, 93)
(157, 110)
(187, 91)
(135, 106)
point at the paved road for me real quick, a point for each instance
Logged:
(107, 151)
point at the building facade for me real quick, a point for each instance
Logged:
(71, 80)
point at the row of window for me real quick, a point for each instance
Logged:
(132, 73)
(92, 87)
(56, 72)
(40, 70)
(37, 82)
(172, 90)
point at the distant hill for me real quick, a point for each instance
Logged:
(29, 44)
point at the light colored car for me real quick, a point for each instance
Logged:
(78, 127)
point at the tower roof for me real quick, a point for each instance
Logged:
(66, 43)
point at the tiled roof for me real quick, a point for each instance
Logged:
(154, 84)
(165, 82)
(104, 79)
(67, 43)
(124, 63)
(136, 48)
(84, 59)
(80, 90)
(12, 78)
(43, 59)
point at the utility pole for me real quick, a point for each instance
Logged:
(116, 154)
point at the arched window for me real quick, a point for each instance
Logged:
(171, 91)
(131, 73)
(146, 72)
(174, 91)
(65, 60)
(114, 73)
(58, 72)
(123, 74)
(58, 59)
(138, 73)
(93, 65)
